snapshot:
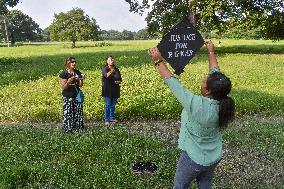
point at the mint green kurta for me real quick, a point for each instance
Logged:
(200, 135)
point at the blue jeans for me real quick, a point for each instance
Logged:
(109, 108)
(188, 170)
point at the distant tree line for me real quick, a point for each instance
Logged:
(73, 26)
(124, 35)
(243, 21)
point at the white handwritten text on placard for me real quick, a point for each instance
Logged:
(176, 54)
(177, 38)
(181, 45)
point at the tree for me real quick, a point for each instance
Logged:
(45, 35)
(3, 29)
(266, 14)
(19, 27)
(73, 26)
(3, 10)
(7, 3)
(127, 35)
(213, 14)
(116, 35)
(144, 35)
(141, 34)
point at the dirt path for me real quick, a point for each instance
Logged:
(166, 130)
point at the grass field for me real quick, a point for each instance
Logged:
(43, 157)
(30, 79)
(36, 158)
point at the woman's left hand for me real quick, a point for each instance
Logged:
(82, 77)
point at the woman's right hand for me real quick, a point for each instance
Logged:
(211, 55)
(70, 80)
(112, 70)
(210, 46)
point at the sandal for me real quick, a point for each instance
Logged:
(114, 121)
(107, 123)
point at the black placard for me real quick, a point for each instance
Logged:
(180, 45)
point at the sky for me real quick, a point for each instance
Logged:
(109, 14)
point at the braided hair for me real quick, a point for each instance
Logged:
(220, 86)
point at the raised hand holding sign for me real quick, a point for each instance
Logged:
(180, 45)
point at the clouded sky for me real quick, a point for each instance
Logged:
(109, 14)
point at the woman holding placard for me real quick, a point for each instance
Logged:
(202, 119)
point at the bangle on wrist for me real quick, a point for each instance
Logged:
(157, 62)
(211, 52)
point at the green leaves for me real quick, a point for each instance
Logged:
(73, 26)
(20, 27)
(7, 3)
(213, 14)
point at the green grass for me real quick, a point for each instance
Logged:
(30, 76)
(99, 158)
(253, 156)
(46, 157)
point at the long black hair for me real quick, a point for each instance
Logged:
(109, 56)
(220, 86)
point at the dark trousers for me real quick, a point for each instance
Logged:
(73, 119)
(188, 170)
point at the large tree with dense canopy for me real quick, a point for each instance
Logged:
(73, 26)
(211, 15)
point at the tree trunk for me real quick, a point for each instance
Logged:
(73, 44)
(191, 14)
(13, 40)
(6, 31)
